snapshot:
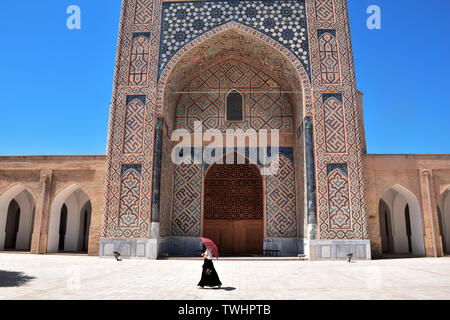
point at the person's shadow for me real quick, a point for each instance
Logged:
(13, 279)
(225, 288)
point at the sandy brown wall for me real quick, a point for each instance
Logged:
(44, 177)
(384, 171)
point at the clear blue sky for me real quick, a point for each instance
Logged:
(56, 84)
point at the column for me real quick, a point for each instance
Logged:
(310, 179)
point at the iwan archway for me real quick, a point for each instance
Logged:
(233, 80)
(233, 207)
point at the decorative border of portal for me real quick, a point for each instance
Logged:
(337, 138)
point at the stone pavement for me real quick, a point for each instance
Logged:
(26, 276)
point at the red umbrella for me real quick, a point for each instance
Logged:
(211, 246)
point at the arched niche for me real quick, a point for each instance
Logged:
(19, 199)
(77, 203)
(444, 219)
(405, 221)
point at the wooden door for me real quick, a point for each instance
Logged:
(233, 208)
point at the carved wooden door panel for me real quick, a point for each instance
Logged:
(233, 208)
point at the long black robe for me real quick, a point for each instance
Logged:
(210, 278)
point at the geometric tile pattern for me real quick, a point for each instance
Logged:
(339, 29)
(265, 106)
(144, 11)
(334, 123)
(134, 125)
(338, 197)
(123, 86)
(139, 59)
(130, 189)
(283, 20)
(329, 57)
(281, 201)
(325, 10)
(187, 200)
(280, 197)
(267, 53)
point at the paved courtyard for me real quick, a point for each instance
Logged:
(25, 276)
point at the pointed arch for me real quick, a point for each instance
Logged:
(24, 221)
(74, 198)
(406, 220)
(444, 218)
(16, 188)
(184, 62)
(256, 50)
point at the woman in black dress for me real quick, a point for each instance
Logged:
(210, 277)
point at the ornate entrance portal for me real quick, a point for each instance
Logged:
(233, 67)
(233, 208)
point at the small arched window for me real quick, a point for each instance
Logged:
(235, 111)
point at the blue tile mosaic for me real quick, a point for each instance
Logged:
(282, 20)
